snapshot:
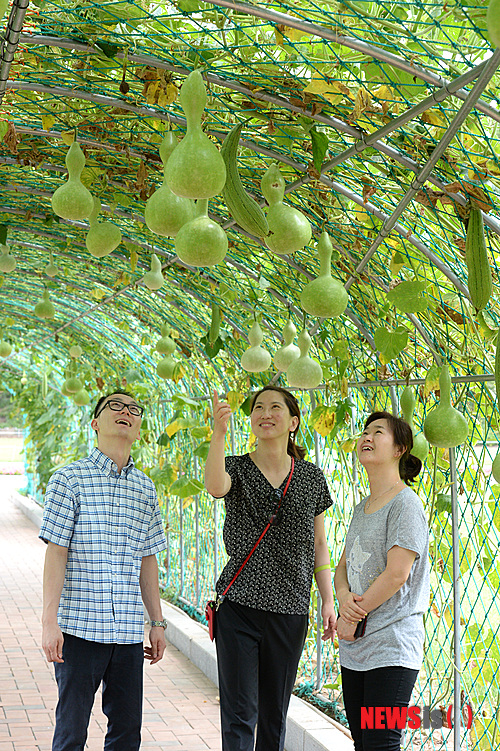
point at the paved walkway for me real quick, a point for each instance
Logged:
(180, 706)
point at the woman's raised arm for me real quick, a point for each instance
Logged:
(217, 480)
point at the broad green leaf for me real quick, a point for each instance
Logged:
(390, 343)
(319, 147)
(407, 297)
(185, 487)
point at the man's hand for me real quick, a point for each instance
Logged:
(52, 643)
(154, 653)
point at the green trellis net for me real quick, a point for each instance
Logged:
(351, 99)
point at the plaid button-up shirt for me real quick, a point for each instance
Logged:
(108, 521)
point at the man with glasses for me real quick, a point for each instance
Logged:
(103, 528)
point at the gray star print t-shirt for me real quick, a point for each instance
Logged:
(394, 631)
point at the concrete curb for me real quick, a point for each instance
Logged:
(307, 729)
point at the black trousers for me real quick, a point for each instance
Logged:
(258, 653)
(86, 664)
(380, 687)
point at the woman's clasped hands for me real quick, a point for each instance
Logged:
(350, 614)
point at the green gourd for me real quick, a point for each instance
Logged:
(324, 297)
(75, 351)
(166, 367)
(81, 398)
(153, 279)
(195, 168)
(72, 385)
(445, 426)
(7, 261)
(51, 269)
(5, 348)
(165, 345)
(243, 208)
(255, 359)
(289, 229)
(72, 200)
(420, 445)
(103, 237)
(201, 242)
(214, 330)
(24, 379)
(289, 352)
(493, 22)
(44, 308)
(304, 372)
(3, 7)
(165, 212)
(479, 280)
(495, 468)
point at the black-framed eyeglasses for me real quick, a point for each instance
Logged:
(116, 405)
(277, 497)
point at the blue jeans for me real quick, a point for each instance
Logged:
(380, 687)
(86, 664)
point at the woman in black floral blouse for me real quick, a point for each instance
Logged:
(262, 621)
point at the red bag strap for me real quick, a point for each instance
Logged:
(261, 536)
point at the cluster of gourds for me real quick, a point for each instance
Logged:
(72, 385)
(166, 347)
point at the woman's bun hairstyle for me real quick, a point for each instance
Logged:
(409, 465)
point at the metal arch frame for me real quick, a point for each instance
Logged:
(11, 40)
(451, 131)
(258, 11)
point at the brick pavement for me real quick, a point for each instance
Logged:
(180, 706)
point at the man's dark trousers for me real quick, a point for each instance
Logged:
(86, 664)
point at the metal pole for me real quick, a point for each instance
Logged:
(197, 534)
(181, 547)
(457, 714)
(319, 653)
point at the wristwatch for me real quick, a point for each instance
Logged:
(161, 624)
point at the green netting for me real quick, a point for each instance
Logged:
(353, 99)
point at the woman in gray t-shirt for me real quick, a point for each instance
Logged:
(383, 574)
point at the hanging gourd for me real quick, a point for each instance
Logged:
(445, 426)
(7, 261)
(81, 397)
(479, 282)
(24, 379)
(44, 308)
(165, 345)
(324, 297)
(243, 208)
(72, 385)
(5, 348)
(165, 212)
(201, 242)
(493, 22)
(195, 168)
(495, 468)
(289, 229)
(72, 200)
(75, 351)
(51, 269)
(3, 7)
(153, 279)
(103, 237)
(304, 372)
(255, 359)
(289, 352)
(420, 445)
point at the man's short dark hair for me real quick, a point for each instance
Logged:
(102, 399)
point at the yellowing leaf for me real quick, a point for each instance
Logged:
(448, 615)
(168, 95)
(362, 102)
(151, 92)
(48, 121)
(330, 91)
(397, 262)
(433, 117)
(134, 256)
(68, 136)
(348, 445)
(387, 96)
(234, 399)
(179, 373)
(173, 428)
(324, 422)
(344, 387)
(98, 294)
